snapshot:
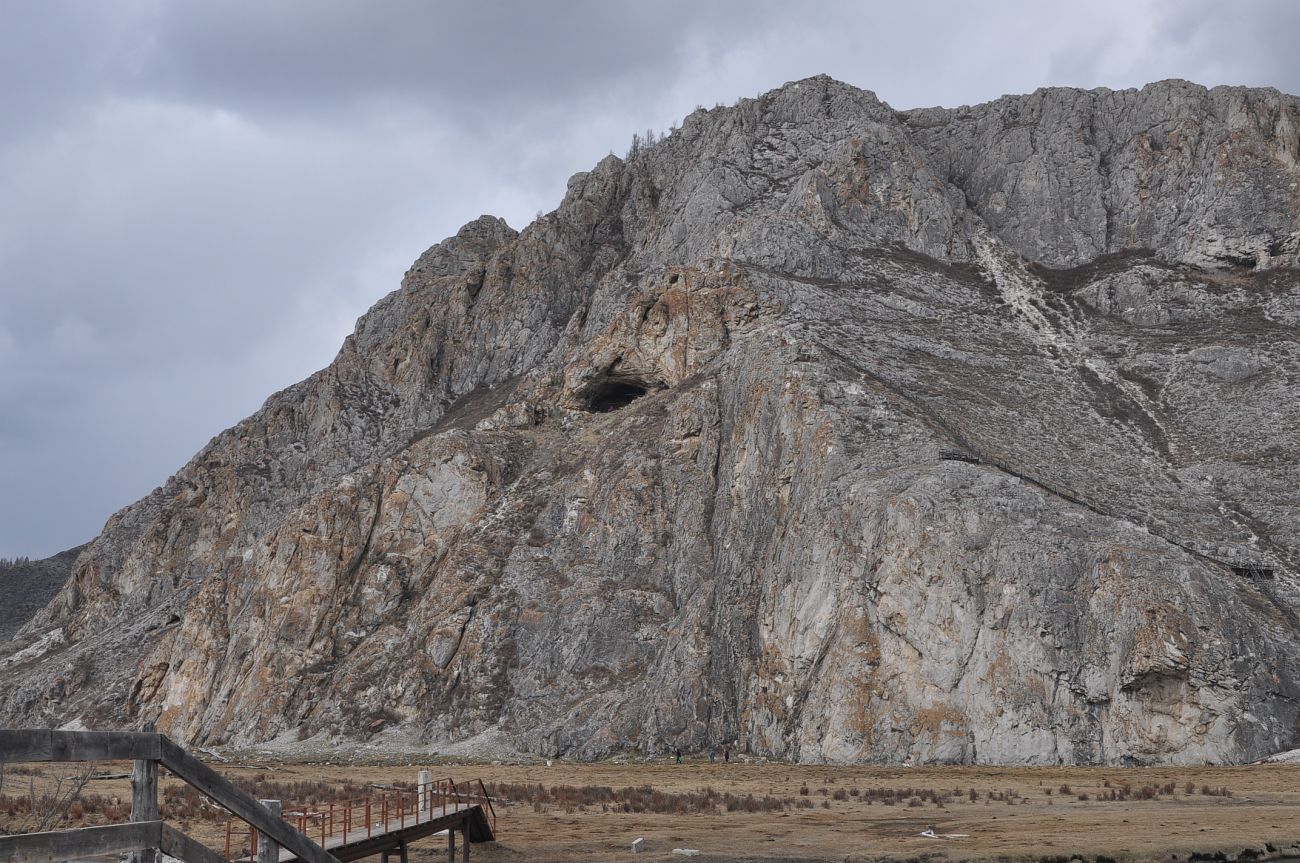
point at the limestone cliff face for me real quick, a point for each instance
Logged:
(449, 535)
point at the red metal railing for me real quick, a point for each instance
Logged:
(348, 821)
(486, 799)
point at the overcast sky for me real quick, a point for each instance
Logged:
(197, 199)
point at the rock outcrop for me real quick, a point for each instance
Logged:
(664, 467)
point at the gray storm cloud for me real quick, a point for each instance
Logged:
(198, 199)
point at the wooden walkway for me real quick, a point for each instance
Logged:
(381, 823)
(378, 838)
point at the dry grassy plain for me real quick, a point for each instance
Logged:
(1013, 816)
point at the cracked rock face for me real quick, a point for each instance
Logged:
(664, 467)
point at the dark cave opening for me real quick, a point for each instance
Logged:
(1248, 262)
(612, 395)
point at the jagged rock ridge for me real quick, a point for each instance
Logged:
(793, 306)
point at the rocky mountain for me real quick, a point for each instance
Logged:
(674, 464)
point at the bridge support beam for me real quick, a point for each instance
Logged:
(267, 850)
(464, 846)
(403, 853)
(144, 802)
(451, 845)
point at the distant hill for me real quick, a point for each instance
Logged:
(27, 585)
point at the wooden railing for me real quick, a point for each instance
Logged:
(368, 820)
(146, 832)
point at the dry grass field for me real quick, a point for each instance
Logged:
(746, 811)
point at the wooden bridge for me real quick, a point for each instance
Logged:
(383, 824)
(380, 823)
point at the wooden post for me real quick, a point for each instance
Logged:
(422, 782)
(401, 849)
(464, 844)
(267, 850)
(451, 845)
(144, 803)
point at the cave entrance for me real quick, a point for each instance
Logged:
(612, 395)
